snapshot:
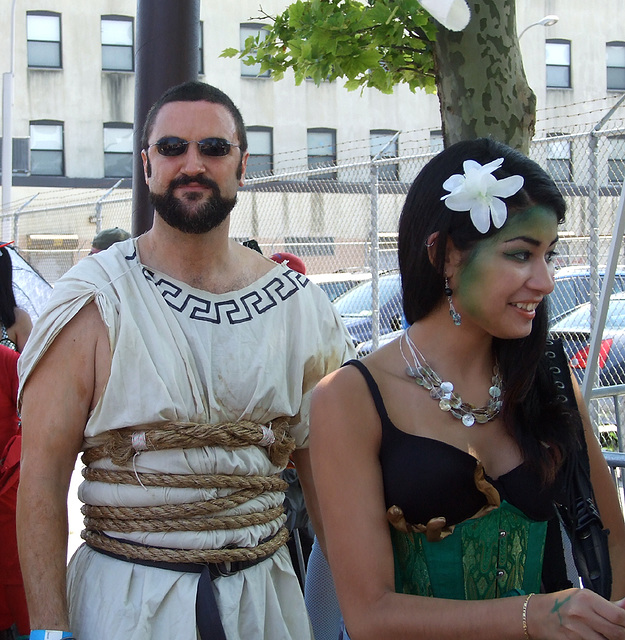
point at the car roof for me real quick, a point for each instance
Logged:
(582, 269)
(339, 276)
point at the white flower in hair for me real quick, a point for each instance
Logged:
(479, 192)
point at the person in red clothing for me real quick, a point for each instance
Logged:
(13, 609)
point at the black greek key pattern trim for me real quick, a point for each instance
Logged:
(235, 310)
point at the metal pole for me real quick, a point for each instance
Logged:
(98, 205)
(7, 127)
(591, 373)
(598, 317)
(375, 259)
(604, 299)
(16, 220)
(375, 245)
(166, 55)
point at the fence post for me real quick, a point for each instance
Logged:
(375, 244)
(593, 259)
(597, 320)
(98, 206)
(16, 220)
(374, 259)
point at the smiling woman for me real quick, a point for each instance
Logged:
(451, 444)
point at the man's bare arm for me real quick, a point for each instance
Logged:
(57, 399)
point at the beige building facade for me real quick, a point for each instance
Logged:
(74, 77)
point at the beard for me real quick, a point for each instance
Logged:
(187, 215)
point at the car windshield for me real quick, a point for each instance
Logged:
(579, 319)
(334, 289)
(357, 301)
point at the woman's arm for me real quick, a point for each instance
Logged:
(21, 328)
(607, 499)
(344, 447)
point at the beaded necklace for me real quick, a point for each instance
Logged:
(443, 391)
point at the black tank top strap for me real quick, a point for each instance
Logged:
(373, 389)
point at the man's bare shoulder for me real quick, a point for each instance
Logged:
(250, 266)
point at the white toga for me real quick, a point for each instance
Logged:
(182, 354)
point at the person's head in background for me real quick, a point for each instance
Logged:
(106, 238)
(15, 323)
(7, 297)
(290, 260)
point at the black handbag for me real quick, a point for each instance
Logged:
(578, 510)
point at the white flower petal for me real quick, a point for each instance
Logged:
(459, 201)
(499, 212)
(471, 165)
(478, 191)
(480, 216)
(507, 187)
(493, 166)
(454, 182)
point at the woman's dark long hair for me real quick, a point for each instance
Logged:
(7, 297)
(530, 411)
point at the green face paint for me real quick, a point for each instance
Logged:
(508, 273)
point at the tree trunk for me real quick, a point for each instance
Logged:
(481, 83)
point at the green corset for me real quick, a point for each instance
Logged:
(497, 555)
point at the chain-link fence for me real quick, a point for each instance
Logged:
(341, 219)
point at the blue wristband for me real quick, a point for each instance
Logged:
(48, 634)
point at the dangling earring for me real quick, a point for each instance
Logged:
(455, 316)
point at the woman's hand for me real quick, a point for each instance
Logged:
(575, 614)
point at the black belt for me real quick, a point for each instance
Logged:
(206, 611)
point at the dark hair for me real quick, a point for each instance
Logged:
(7, 297)
(529, 392)
(195, 92)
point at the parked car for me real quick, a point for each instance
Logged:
(337, 283)
(574, 329)
(355, 307)
(572, 288)
(365, 348)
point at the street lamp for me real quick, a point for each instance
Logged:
(547, 21)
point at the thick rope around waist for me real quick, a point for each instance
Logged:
(200, 556)
(122, 445)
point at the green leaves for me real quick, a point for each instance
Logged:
(375, 44)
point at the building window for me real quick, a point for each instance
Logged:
(558, 59)
(43, 33)
(20, 155)
(200, 66)
(616, 160)
(46, 148)
(615, 63)
(117, 43)
(385, 144)
(117, 150)
(260, 146)
(559, 164)
(251, 31)
(322, 152)
(437, 143)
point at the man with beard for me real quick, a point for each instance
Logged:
(181, 363)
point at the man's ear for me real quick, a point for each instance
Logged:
(243, 168)
(147, 169)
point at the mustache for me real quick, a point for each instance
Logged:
(199, 179)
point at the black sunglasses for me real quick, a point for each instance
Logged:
(212, 147)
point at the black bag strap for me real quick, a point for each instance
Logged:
(580, 514)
